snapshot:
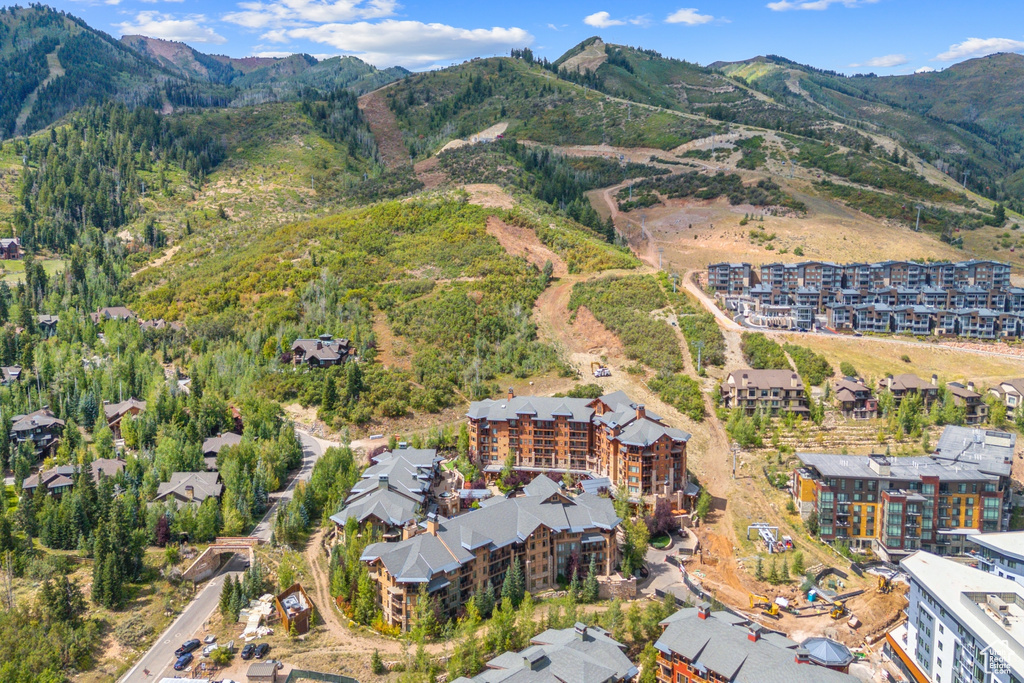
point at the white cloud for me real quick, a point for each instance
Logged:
(924, 70)
(689, 16)
(602, 20)
(814, 5)
(885, 61)
(979, 47)
(256, 15)
(166, 26)
(272, 54)
(412, 44)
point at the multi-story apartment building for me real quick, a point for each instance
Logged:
(1001, 554)
(975, 409)
(546, 528)
(609, 437)
(905, 385)
(896, 505)
(772, 391)
(699, 645)
(854, 399)
(1011, 393)
(732, 279)
(962, 625)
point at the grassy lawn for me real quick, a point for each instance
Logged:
(13, 272)
(660, 541)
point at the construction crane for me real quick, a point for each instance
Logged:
(838, 610)
(764, 604)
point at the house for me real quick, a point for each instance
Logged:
(905, 385)
(10, 249)
(773, 391)
(322, 352)
(895, 506)
(1011, 393)
(294, 609)
(961, 624)
(581, 654)
(547, 529)
(261, 672)
(9, 374)
(393, 492)
(47, 325)
(57, 480)
(41, 428)
(854, 399)
(699, 645)
(190, 488)
(212, 448)
(115, 412)
(610, 436)
(112, 313)
(975, 409)
(1001, 554)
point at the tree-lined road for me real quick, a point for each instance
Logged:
(159, 660)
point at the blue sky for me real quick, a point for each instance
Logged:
(883, 36)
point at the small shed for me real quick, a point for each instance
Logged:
(294, 608)
(828, 653)
(262, 672)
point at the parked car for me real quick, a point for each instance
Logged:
(187, 647)
(183, 661)
(248, 651)
(261, 650)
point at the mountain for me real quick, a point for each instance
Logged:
(52, 63)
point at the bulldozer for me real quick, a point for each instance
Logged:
(884, 584)
(764, 604)
(838, 610)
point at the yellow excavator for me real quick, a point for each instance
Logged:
(764, 604)
(838, 610)
(884, 584)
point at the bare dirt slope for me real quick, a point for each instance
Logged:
(588, 60)
(385, 129)
(524, 242)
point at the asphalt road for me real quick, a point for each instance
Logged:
(159, 660)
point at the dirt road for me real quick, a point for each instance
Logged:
(384, 127)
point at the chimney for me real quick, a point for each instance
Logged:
(754, 633)
(581, 630)
(319, 345)
(190, 492)
(935, 380)
(432, 524)
(743, 381)
(511, 393)
(793, 380)
(802, 656)
(533, 660)
(408, 531)
(641, 412)
(970, 386)
(382, 481)
(703, 610)
(888, 382)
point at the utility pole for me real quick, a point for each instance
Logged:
(661, 250)
(966, 173)
(917, 226)
(700, 351)
(735, 449)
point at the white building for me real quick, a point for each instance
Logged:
(1000, 554)
(963, 625)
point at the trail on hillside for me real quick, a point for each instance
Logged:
(385, 129)
(56, 71)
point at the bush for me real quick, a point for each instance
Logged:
(681, 392)
(133, 631)
(703, 328)
(848, 370)
(905, 358)
(813, 367)
(762, 353)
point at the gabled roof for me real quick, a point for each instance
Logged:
(40, 418)
(204, 485)
(112, 313)
(500, 523)
(48, 319)
(214, 444)
(393, 489)
(539, 407)
(908, 381)
(116, 410)
(766, 379)
(10, 373)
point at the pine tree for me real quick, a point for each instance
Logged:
(591, 589)
(784, 570)
(759, 569)
(377, 664)
(329, 395)
(514, 585)
(575, 591)
(798, 563)
(773, 572)
(226, 591)
(485, 600)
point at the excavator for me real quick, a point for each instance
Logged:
(600, 370)
(764, 604)
(884, 584)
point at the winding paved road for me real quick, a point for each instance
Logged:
(159, 660)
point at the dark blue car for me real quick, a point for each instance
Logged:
(183, 661)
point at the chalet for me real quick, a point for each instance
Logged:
(57, 480)
(854, 399)
(774, 391)
(41, 428)
(213, 446)
(10, 249)
(905, 385)
(322, 352)
(190, 488)
(47, 325)
(9, 374)
(112, 313)
(970, 400)
(115, 412)
(1011, 393)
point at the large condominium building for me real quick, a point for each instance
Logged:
(731, 279)
(699, 645)
(609, 437)
(963, 625)
(1000, 554)
(771, 391)
(898, 505)
(547, 529)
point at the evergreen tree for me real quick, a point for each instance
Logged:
(366, 600)
(649, 664)
(226, 591)
(773, 572)
(377, 664)
(514, 585)
(329, 395)
(485, 600)
(591, 588)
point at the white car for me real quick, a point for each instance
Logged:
(208, 650)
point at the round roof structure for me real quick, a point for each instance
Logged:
(827, 652)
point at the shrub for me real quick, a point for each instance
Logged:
(762, 353)
(813, 367)
(681, 392)
(848, 370)
(703, 328)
